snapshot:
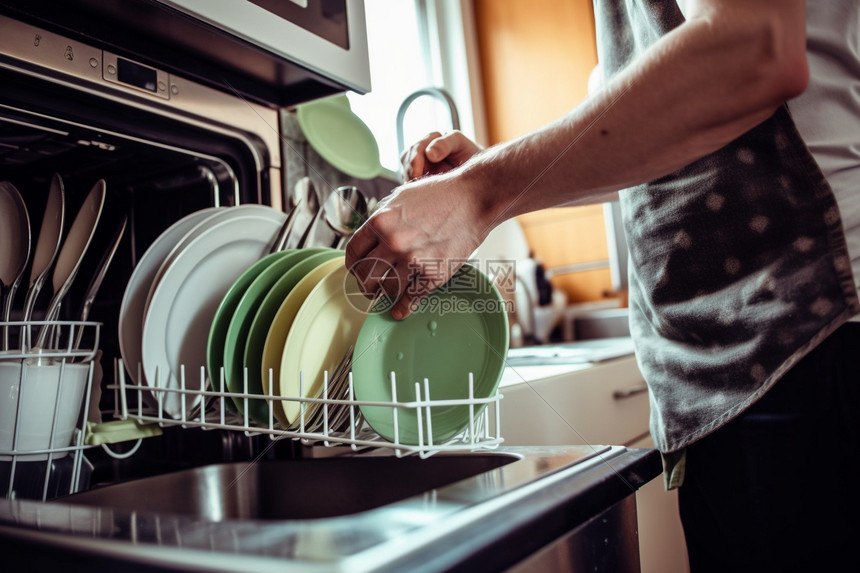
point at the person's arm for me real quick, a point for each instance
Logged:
(722, 72)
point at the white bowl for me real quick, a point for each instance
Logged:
(28, 399)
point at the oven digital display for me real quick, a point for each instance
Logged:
(136, 75)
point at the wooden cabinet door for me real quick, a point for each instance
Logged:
(536, 57)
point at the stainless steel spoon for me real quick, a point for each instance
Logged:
(73, 249)
(48, 242)
(345, 210)
(15, 241)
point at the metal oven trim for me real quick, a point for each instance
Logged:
(35, 52)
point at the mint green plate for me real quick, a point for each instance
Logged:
(240, 326)
(461, 328)
(340, 136)
(224, 314)
(251, 354)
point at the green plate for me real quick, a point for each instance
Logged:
(340, 136)
(461, 328)
(263, 318)
(240, 326)
(224, 314)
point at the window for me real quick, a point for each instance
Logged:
(414, 45)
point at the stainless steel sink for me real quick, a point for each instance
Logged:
(364, 513)
(290, 489)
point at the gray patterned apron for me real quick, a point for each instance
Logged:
(738, 263)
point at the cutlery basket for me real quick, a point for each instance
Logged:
(328, 420)
(47, 374)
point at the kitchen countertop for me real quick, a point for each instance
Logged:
(546, 492)
(532, 363)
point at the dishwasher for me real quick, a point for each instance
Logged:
(149, 112)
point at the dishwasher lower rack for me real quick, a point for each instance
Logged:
(326, 420)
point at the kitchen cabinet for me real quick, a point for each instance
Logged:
(535, 59)
(661, 537)
(577, 404)
(594, 403)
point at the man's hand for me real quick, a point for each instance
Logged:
(436, 153)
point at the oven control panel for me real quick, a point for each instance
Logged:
(68, 57)
(60, 59)
(47, 50)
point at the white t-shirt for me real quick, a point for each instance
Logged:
(827, 114)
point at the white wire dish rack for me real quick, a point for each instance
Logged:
(334, 418)
(46, 382)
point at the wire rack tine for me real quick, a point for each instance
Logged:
(334, 417)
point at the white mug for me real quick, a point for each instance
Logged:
(29, 394)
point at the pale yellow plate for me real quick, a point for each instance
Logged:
(276, 340)
(325, 328)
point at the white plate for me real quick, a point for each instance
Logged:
(215, 216)
(133, 307)
(184, 302)
(325, 327)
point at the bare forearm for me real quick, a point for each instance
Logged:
(713, 78)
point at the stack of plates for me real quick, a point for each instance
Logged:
(283, 324)
(208, 304)
(176, 288)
